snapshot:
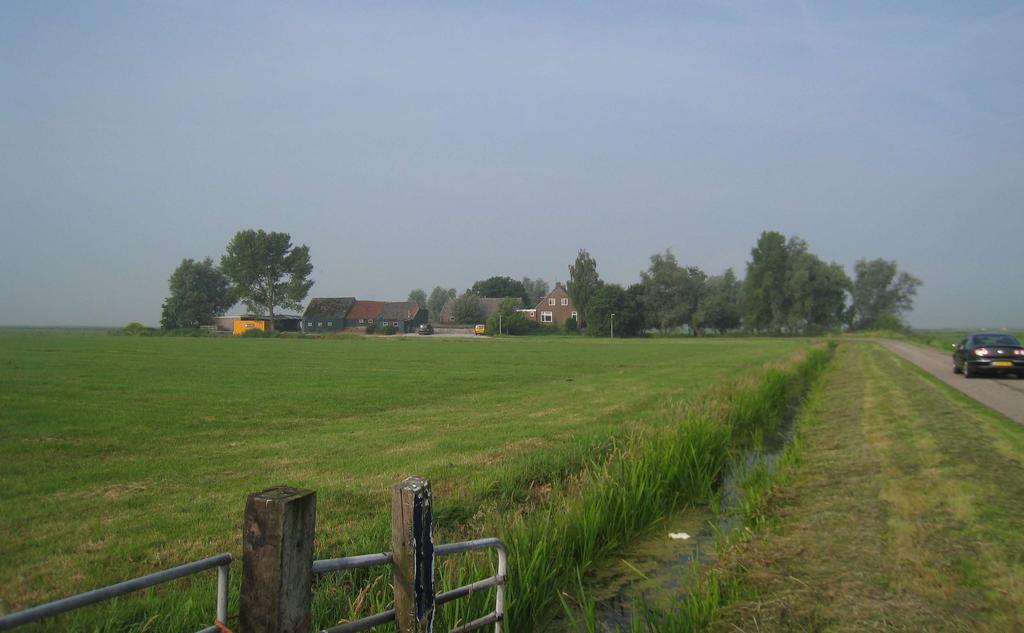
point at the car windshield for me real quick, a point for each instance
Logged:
(995, 339)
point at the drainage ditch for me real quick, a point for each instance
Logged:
(656, 569)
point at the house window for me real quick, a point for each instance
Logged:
(574, 317)
(309, 324)
(330, 323)
(547, 317)
(361, 320)
(565, 301)
(396, 323)
(551, 301)
(319, 323)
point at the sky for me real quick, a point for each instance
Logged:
(418, 144)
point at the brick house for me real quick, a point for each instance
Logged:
(554, 309)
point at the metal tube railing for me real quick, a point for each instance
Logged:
(496, 617)
(57, 607)
(363, 624)
(327, 565)
(490, 618)
(499, 597)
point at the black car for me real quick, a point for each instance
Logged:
(426, 328)
(988, 353)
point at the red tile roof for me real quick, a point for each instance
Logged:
(365, 310)
(399, 311)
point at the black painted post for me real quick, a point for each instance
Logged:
(412, 551)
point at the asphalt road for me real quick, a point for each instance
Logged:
(1005, 395)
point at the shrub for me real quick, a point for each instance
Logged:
(190, 332)
(255, 333)
(136, 329)
(388, 330)
(890, 322)
(371, 328)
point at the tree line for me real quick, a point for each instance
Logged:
(787, 290)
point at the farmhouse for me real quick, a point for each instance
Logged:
(364, 313)
(404, 315)
(555, 308)
(326, 314)
(333, 314)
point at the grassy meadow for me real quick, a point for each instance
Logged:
(122, 455)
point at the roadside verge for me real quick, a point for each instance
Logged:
(901, 511)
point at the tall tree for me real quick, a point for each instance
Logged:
(418, 296)
(640, 321)
(199, 292)
(583, 282)
(613, 299)
(672, 292)
(536, 289)
(500, 287)
(694, 280)
(790, 289)
(438, 297)
(661, 283)
(467, 309)
(817, 293)
(720, 306)
(267, 271)
(880, 293)
(765, 297)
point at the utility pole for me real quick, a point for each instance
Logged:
(613, 325)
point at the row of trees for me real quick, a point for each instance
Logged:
(787, 290)
(262, 270)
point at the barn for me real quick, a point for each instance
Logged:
(327, 314)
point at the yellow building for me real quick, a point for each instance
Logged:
(241, 326)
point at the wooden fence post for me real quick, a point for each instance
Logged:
(412, 551)
(277, 561)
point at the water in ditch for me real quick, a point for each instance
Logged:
(657, 568)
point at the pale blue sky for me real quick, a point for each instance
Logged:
(417, 144)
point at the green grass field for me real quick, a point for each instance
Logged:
(122, 455)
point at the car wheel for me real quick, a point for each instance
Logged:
(956, 369)
(967, 371)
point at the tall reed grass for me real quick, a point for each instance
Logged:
(644, 479)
